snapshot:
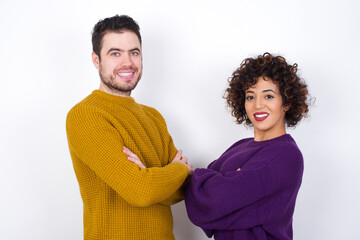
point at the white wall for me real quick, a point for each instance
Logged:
(190, 49)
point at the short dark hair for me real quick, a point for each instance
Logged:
(113, 24)
(293, 90)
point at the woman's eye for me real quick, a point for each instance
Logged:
(269, 97)
(249, 97)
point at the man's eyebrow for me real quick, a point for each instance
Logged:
(134, 49)
(120, 50)
(114, 49)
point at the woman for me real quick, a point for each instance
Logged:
(250, 191)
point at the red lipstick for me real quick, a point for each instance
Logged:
(260, 116)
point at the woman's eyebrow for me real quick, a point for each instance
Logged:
(269, 90)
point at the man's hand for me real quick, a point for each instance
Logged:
(184, 160)
(132, 157)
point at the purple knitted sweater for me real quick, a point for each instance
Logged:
(256, 202)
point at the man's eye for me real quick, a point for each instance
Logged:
(115, 54)
(134, 53)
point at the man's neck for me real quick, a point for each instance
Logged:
(104, 88)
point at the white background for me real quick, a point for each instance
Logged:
(190, 48)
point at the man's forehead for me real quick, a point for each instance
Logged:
(123, 37)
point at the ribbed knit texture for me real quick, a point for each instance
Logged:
(256, 202)
(122, 201)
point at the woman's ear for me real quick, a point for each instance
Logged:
(286, 107)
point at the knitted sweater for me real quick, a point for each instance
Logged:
(121, 200)
(256, 202)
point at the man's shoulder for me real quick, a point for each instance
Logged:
(150, 110)
(92, 101)
(85, 107)
(147, 107)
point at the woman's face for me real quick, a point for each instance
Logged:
(264, 107)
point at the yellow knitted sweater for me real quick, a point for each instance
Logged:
(122, 201)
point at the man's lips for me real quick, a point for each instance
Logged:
(260, 116)
(126, 74)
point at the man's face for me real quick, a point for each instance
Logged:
(120, 67)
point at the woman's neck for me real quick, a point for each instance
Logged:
(267, 135)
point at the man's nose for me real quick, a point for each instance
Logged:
(126, 60)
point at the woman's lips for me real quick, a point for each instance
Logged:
(260, 116)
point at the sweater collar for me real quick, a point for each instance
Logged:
(114, 98)
(282, 138)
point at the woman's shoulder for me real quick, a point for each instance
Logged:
(276, 150)
(285, 153)
(283, 144)
(241, 142)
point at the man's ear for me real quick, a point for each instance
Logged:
(96, 60)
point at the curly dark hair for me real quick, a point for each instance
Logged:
(113, 24)
(293, 89)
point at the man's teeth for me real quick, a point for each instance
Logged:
(261, 115)
(125, 74)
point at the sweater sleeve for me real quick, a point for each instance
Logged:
(172, 150)
(178, 196)
(98, 144)
(246, 198)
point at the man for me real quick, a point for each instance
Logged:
(122, 200)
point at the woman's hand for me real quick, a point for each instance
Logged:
(132, 157)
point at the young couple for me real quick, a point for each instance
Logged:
(130, 172)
